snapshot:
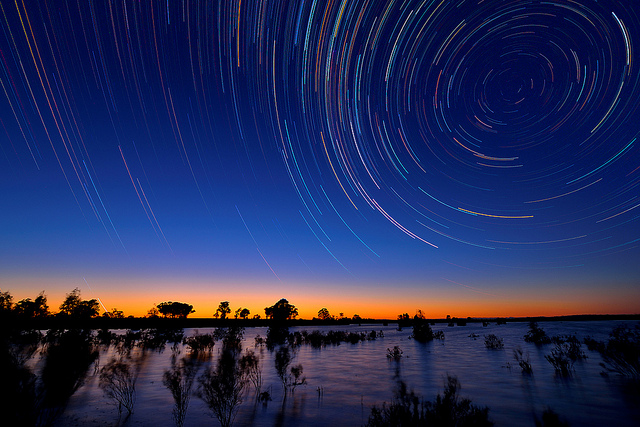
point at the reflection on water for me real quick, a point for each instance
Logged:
(344, 381)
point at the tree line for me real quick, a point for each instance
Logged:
(76, 308)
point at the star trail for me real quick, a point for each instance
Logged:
(445, 155)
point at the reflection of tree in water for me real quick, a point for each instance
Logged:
(68, 356)
(18, 394)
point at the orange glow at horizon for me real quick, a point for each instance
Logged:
(136, 297)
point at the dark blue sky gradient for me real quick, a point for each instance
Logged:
(434, 155)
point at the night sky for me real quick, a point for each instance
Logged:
(472, 158)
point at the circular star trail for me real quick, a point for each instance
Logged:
(295, 135)
(479, 122)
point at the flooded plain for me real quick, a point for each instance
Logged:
(343, 382)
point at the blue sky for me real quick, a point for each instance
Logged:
(357, 155)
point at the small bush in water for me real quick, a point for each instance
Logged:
(447, 410)
(492, 342)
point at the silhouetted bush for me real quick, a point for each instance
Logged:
(621, 353)
(491, 341)
(290, 376)
(296, 378)
(118, 382)
(422, 332)
(264, 397)
(318, 339)
(395, 354)
(179, 380)
(523, 361)
(250, 365)
(560, 360)
(232, 337)
(570, 345)
(222, 387)
(536, 334)
(550, 419)
(448, 410)
(200, 345)
(127, 342)
(154, 339)
(259, 341)
(276, 335)
(105, 337)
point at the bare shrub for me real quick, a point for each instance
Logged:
(179, 380)
(395, 354)
(449, 409)
(621, 353)
(290, 376)
(523, 361)
(250, 365)
(492, 342)
(118, 382)
(222, 388)
(560, 360)
(536, 334)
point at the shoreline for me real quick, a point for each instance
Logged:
(146, 323)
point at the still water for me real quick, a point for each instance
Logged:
(344, 381)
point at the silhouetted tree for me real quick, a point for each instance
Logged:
(323, 314)
(33, 309)
(153, 312)
(116, 314)
(281, 311)
(175, 309)
(242, 313)
(223, 310)
(6, 301)
(77, 308)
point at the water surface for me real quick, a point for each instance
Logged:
(344, 381)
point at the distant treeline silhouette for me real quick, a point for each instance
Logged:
(75, 310)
